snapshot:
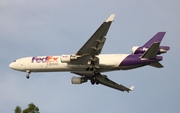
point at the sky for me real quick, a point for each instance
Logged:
(56, 27)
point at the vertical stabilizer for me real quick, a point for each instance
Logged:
(157, 38)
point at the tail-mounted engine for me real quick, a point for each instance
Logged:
(78, 80)
(134, 49)
(141, 50)
(68, 58)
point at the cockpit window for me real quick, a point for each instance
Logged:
(15, 61)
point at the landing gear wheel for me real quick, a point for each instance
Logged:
(92, 82)
(28, 73)
(97, 83)
(87, 68)
(27, 76)
(92, 69)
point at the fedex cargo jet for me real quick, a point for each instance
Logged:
(88, 63)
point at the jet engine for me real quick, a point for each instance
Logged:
(78, 80)
(141, 50)
(68, 58)
(134, 48)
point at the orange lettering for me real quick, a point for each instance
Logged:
(55, 59)
(49, 58)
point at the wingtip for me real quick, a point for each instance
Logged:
(132, 88)
(111, 18)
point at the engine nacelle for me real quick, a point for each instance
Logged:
(134, 48)
(141, 50)
(78, 80)
(68, 58)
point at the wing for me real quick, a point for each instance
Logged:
(102, 79)
(95, 43)
(107, 82)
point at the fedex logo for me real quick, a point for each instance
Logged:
(46, 59)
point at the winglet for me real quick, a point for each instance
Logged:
(111, 18)
(131, 88)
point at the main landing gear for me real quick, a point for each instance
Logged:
(89, 67)
(28, 73)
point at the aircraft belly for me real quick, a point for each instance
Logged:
(131, 67)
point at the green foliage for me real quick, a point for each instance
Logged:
(31, 109)
(17, 109)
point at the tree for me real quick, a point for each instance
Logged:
(17, 109)
(31, 109)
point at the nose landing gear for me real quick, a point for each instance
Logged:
(28, 73)
(27, 76)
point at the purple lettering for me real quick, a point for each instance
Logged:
(33, 58)
(39, 60)
(44, 59)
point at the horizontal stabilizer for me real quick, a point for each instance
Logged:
(152, 51)
(157, 65)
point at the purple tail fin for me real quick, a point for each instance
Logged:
(157, 38)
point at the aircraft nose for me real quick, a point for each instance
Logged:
(12, 65)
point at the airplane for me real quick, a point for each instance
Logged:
(88, 63)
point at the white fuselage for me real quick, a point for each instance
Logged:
(107, 62)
